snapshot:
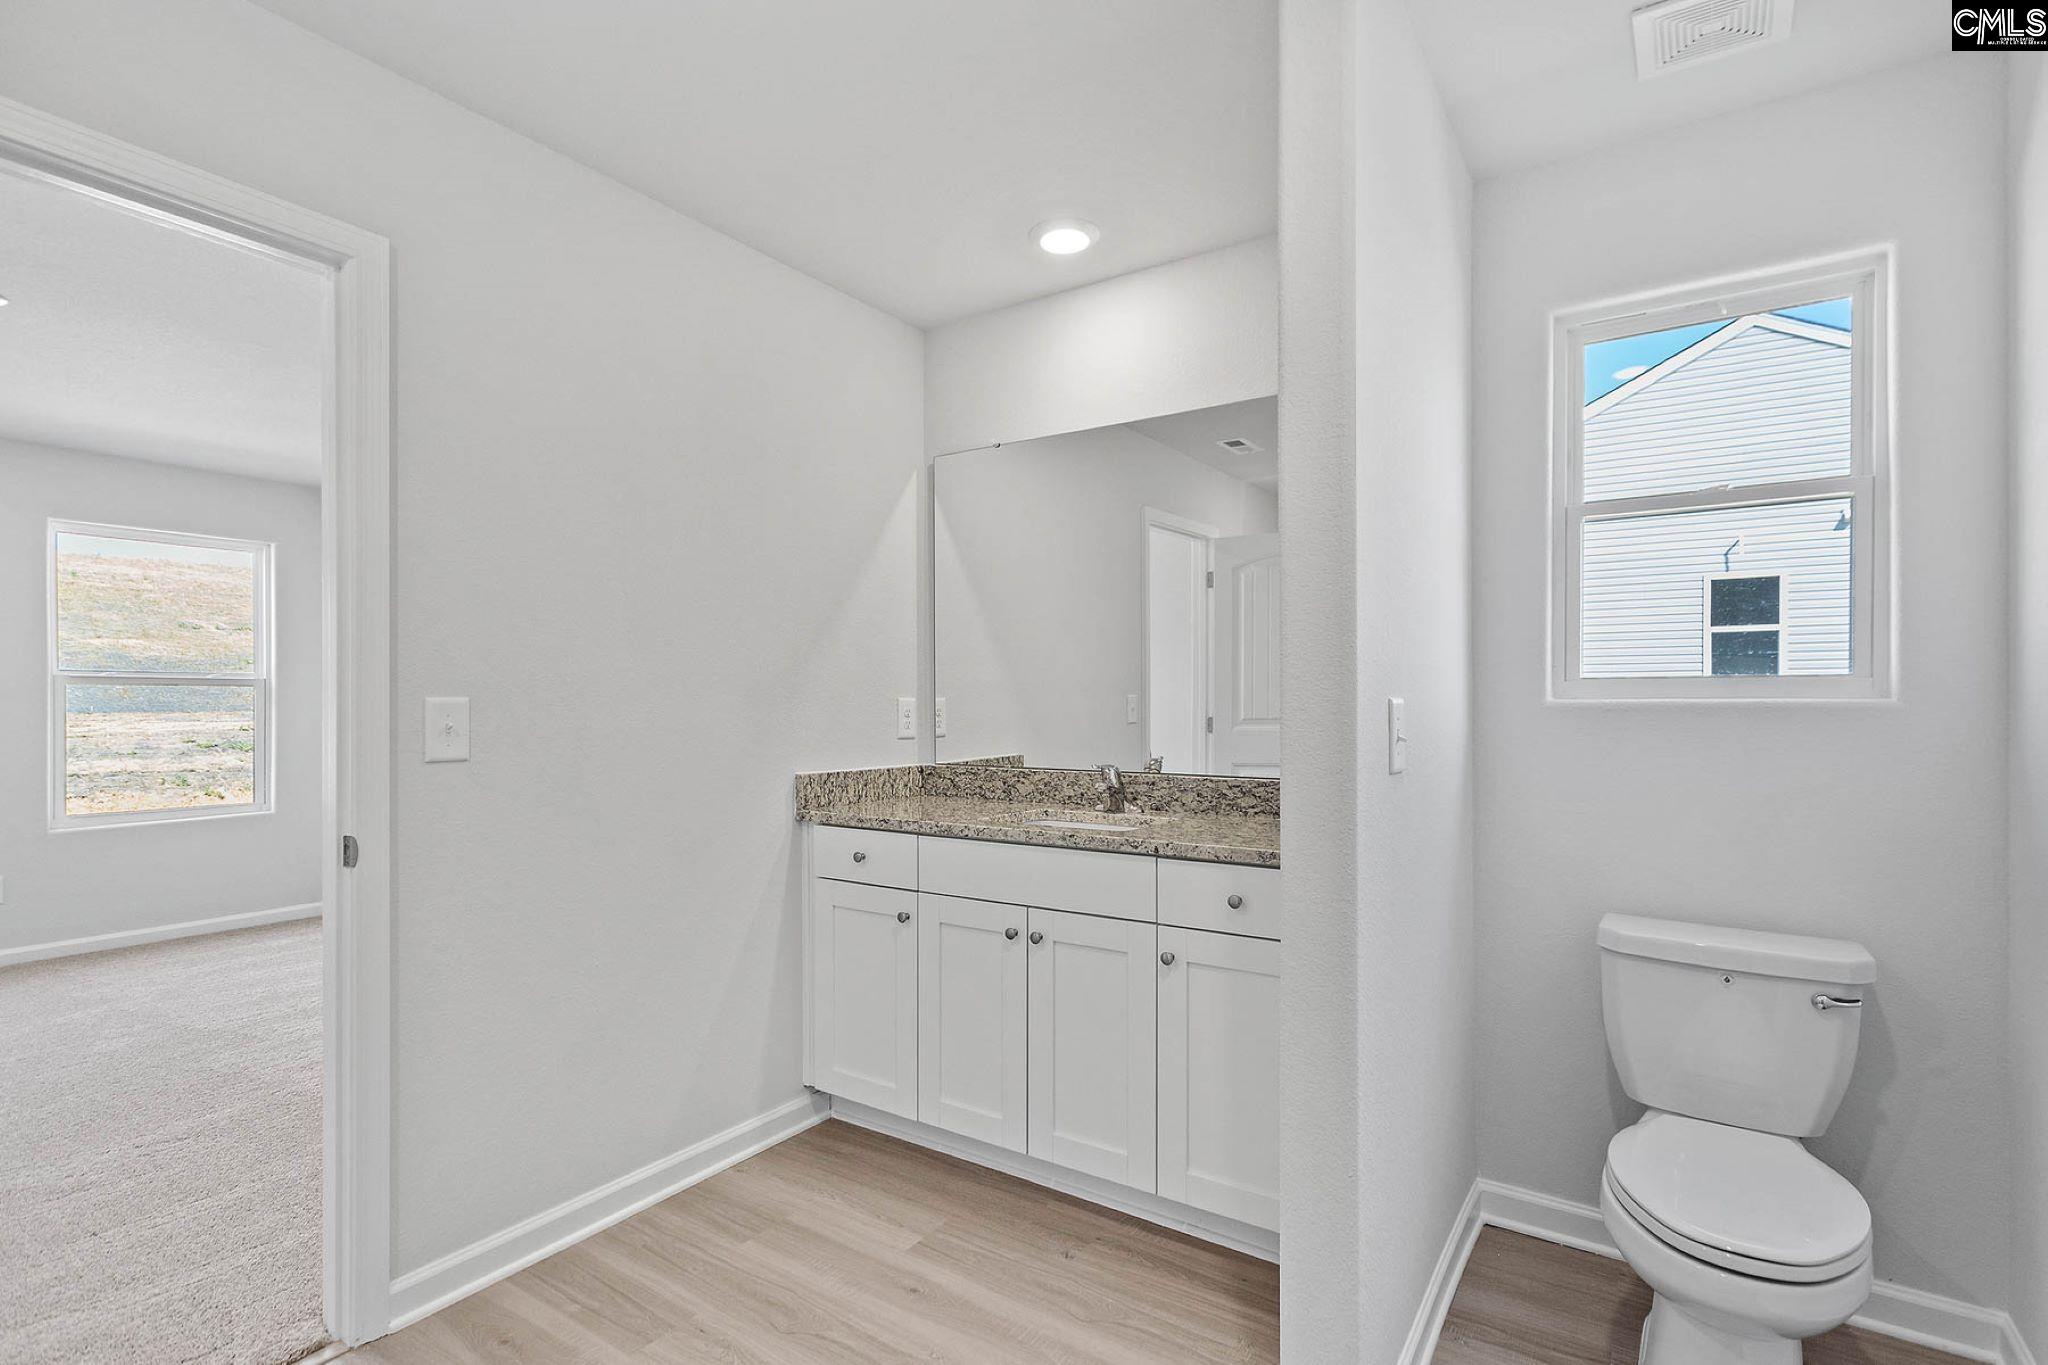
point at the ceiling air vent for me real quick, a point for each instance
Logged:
(1237, 445)
(1680, 33)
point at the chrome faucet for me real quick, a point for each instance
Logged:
(1112, 788)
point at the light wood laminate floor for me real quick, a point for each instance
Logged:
(842, 1245)
(1523, 1300)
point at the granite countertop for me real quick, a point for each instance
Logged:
(1249, 839)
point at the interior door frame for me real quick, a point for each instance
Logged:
(1207, 534)
(356, 691)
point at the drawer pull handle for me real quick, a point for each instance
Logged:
(903, 917)
(1010, 932)
(1235, 902)
(1037, 937)
(1166, 959)
(860, 857)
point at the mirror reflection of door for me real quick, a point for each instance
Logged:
(1177, 667)
(1246, 672)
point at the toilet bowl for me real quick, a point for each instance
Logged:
(1749, 1248)
(1741, 1044)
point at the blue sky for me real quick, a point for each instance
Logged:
(1610, 364)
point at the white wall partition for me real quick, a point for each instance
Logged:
(2028, 965)
(1375, 213)
(620, 437)
(1879, 821)
(124, 883)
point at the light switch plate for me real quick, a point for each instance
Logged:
(939, 718)
(447, 730)
(1397, 735)
(1130, 708)
(906, 718)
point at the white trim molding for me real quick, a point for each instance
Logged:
(160, 933)
(1894, 1310)
(1166, 1213)
(418, 1293)
(356, 682)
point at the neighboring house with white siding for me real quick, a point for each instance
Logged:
(1757, 589)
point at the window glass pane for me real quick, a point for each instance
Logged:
(1757, 399)
(1642, 614)
(137, 606)
(1744, 602)
(157, 748)
(1749, 652)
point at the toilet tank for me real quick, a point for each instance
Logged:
(1722, 1024)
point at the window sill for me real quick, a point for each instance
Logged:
(82, 824)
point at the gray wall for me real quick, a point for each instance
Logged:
(1883, 822)
(2028, 964)
(126, 878)
(654, 512)
(1374, 511)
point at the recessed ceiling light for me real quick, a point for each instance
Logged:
(3, 303)
(1065, 236)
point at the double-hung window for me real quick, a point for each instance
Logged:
(159, 675)
(1720, 523)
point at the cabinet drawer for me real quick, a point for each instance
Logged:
(874, 856)
(1198, 896)
(1120, 885)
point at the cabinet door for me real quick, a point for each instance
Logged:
(864, 993)
(1093, 1023)
(1219, 1074)
(970, 1018)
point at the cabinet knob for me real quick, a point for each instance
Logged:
(903, 917)
(1166, 959)
(860, 857)
(1235, 902)
(1010, 932)
(1037, 937)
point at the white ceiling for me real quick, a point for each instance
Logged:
(1534, 82)
(898, 149)
(128, 336)
(1196, 433)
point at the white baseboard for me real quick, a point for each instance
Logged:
(1894, 1310)
(1443, 1283)
(1210, 1227)
(461, 1273)
(162, 933)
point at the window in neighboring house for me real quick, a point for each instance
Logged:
(1736, 435)
(1745, 627)
(159, 675)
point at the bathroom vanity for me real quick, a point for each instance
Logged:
(992, 972)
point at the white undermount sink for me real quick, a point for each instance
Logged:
(1104, 822)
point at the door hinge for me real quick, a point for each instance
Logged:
(1209, 724)
(349, 851)
(1212, 578)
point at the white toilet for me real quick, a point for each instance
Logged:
(1741, 1043)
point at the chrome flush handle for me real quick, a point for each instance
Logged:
(1824, 1002)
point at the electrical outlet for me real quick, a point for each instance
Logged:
(939, 718)
(906, 718)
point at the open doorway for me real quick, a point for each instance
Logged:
(194, 537)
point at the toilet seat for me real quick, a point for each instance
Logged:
(1753, 1203)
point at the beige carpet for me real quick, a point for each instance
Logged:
(160, 1152)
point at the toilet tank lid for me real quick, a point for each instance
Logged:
(1739, 950)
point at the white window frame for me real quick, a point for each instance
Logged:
(1863, 277)
(1708, 630)
(259, 680)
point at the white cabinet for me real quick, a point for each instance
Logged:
(970, 1024)
(864, 993)
(1093, 1025)
(1219, 1081)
